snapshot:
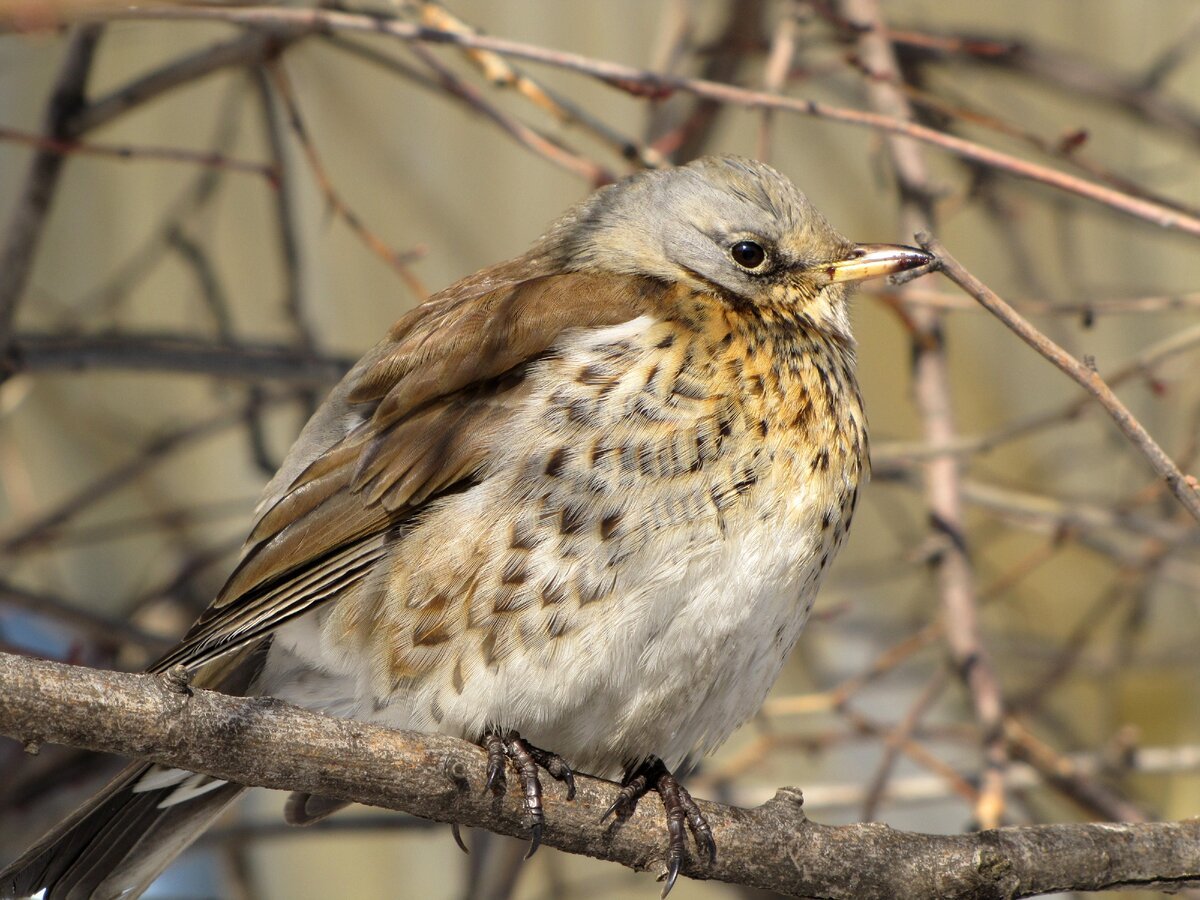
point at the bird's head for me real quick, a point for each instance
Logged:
(728, 226)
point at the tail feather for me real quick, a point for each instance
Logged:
(116, 844)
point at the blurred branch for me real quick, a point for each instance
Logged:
(179, 353)
(98, 627)
(644, 83)
(271, 744)
(934, 399)
(398, 260)
(25, 226)
(1184, 487)
(48, 525)
(133, 153)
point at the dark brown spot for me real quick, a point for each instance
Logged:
(555, 462)
(722, 499)
(725, 422)
(558, 624)
(456, 676)
(616, 349)
(746, 480)
(598, 452)
(522, 536)
(593, 375)
(820, 460)
(689, 388)
(591, 591)
(554, 593)
(573, 519)
(515, 571)
(581, 412)
(826, 386)
(436, 711)
(511, 600)
(827, 520)
(763, 428)
(430, 632)
(608, 525)
(650, 376)
(804, 412)
(667, 341)
(644, 459)
(705, 445)
(488, 649)
(435, 604)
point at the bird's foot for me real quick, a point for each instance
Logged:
(526, 760)
(653, 775)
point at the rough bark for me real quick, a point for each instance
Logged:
(269, 743)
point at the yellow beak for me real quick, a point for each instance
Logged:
(876, 260)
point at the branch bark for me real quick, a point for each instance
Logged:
(264, 742)
(642, 82)
(1184, 487)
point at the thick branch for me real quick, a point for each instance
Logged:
(268, 743)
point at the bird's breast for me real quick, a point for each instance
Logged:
(634, 562)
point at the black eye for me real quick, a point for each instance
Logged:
(748, 254)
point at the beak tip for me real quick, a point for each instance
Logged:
(878, 260)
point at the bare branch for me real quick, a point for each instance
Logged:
(1184, 487)
(267, 743)
(646, 83)
(25, 226)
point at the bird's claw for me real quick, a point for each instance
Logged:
(526, 759)
(680, 809)
(535, 839)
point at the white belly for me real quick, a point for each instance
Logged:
(688, 655)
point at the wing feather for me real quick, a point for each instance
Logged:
(425, 407)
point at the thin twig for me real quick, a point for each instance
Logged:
(27, 223)
(1184, 487)
(645, 83)
(933, 390)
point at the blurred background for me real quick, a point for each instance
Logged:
(236, 214)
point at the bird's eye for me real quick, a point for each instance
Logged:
(748, 254)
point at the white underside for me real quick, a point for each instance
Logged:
(684, 661)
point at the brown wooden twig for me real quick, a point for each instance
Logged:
(647, 83)
(933, 391)
(26, 224)
(775, 847)
(1184, 487)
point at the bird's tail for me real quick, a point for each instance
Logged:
(117, 843)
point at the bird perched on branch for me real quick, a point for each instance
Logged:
(574, 508)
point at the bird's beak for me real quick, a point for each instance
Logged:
(876, 260)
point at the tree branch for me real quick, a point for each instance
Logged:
(642, 82)
(260, 741)
(1184, 487)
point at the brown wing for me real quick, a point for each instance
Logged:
(432, 399)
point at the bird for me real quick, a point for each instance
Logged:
(574, 508)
